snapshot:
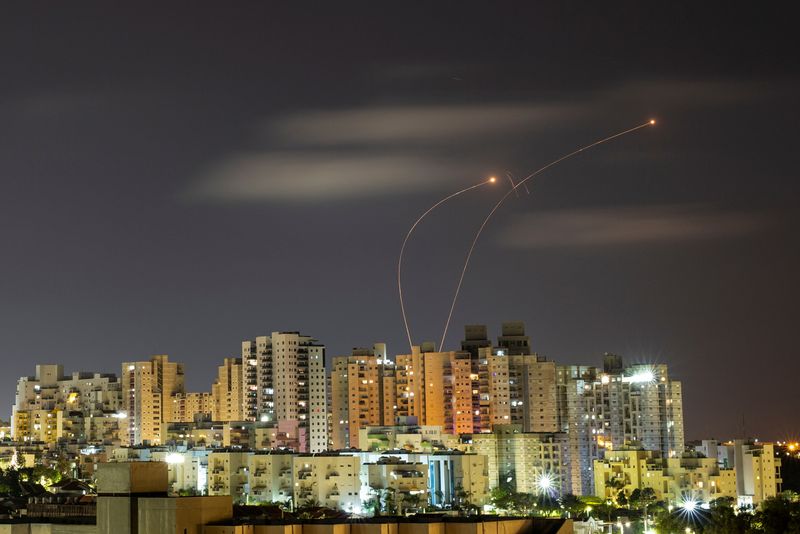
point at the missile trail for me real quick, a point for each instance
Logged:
(513, 190)
(405, 241)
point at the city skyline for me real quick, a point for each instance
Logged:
(176, 190)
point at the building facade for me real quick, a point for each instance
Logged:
(357, 394)
(285, 383)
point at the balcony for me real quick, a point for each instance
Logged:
(407, 474)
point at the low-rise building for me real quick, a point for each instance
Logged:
(228, 474)
(270, 477)
(407, 437)
(330, 480)
(690, 477)
(453, 477)
(757, 467)
(528, 462)
(406, 482)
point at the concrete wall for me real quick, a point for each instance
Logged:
(46, 528)
(14, 528)
(114, 515)
(182, 515)
(132, 477)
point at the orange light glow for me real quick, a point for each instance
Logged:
(492, 179)
(652, 121)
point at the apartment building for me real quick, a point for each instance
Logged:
(528, 462)
(357, 394)
(228, 391)
(51, 406)
(284, 380)
(147, 390)
(676, 480)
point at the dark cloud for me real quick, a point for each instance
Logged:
(321, 176)
(339, 154)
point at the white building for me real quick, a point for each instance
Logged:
(285, 383)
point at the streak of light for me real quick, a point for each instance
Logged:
(503, 199)
(405, 241)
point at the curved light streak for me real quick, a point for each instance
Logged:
(513, 190)
(405, 241)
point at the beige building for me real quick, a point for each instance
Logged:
(638, 404)
(529, 462)
(412, 438)
(449, 399)
(46, 426)
(409, 384)
(228, 474)
(227, 392)
(439, 389)
(270, 477)
(518, 389)
(148, 389)
(517, 386)
(330, 480)
(187, 407)
(401, 478)
(761, 472)
(51, 406)
(451, 475)
(357, 394)
(675, 480)
(757, 466)
(286, 384)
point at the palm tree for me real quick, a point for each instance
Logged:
(462, 497)
(572, 505)
(411, 501)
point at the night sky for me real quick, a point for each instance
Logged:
(178, 179)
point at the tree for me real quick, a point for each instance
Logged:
(777, 515)
(606, 510)
(463, 498)
(372, 506)
(671, 522)
(389, 499)
(722, 520)
(501, 498)
(572, 505)
(722, 502)
(412, 501)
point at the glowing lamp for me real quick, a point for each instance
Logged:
(173, 458)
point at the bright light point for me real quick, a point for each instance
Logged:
(174, 458)
(689, 506)
(493, 179)
(652, 121)
(641, 377)
(546, 484)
